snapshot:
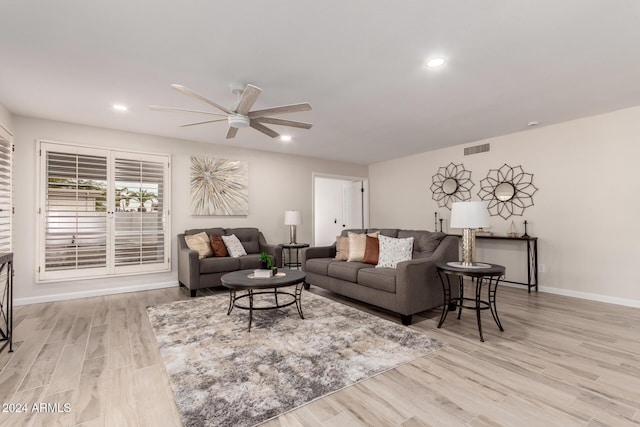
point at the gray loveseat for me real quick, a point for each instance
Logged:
(410, 288)
(194, 273)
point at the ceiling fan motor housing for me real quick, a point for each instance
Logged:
(238, 121)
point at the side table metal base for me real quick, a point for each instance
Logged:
(490, 276)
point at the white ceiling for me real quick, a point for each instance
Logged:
(358, 62)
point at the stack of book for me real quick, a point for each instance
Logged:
(262, 274)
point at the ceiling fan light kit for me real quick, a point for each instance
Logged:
(238, 121)
(242, 116)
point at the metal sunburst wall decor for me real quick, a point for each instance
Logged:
(508, 190)
(219, 187)
(451, 184)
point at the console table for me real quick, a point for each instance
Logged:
(532, 257)
(6, 300)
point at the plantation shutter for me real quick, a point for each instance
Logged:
(102, 212)
(75, 214)
(6, 193)
(140, 238)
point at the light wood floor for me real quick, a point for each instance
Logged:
(560, 361)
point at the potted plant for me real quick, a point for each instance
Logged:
(266, 262)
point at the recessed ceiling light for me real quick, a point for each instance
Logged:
(285, 138)
(120, 107)
(435, 62)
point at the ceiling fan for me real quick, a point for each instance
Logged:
(241, 116)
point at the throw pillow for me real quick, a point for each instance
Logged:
(199, 242)
(371, 251)
(217, 244)
(358, 244)
(393, 251)
(342, 248)
(234, 247)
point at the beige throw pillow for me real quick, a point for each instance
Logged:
(358, 244)
(199, 242)
(342, 248)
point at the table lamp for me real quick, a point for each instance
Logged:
(292, 219)
(470, 216)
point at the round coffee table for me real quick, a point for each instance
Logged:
(243, 280)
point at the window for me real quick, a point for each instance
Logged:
(6, 193)
(103, 212)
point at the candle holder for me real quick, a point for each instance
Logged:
(525, 229)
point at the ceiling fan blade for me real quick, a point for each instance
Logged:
(231, 133)
(282, 122)
(185, 110)
(249, 97)
(293, 108)
(261, 128)
(202, 123)
(189, 92)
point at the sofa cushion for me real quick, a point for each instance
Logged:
(423, 241)
(393, 251)
(383, 279)
(234, 246)
(210, 231)
(248, 236)
(219, 265)
(249, 261)
(389, 232)
(200, 243)
(346, 270)
(318, 265)
(218, 246)
(371, 251)
(342, 248)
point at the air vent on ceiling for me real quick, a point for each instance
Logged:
(482, 148)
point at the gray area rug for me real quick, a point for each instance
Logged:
(222, 375)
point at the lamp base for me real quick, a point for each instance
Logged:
(292, 235)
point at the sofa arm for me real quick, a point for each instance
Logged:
(417, 281)
(188, 264)
(275, 251)
(317, 252)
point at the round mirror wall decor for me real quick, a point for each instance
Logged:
(507, 190)
(451, 184)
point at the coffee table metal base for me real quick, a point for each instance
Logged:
(293, 298)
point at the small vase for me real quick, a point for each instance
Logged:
(264, 264)
(512, 230)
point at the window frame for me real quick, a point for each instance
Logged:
(8, 137)
(111, 269)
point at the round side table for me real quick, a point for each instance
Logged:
(290, 247)
(489, 275)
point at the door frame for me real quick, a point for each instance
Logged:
(365, 198)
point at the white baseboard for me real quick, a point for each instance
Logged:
(582, 295)
(593, 297)
(93, 293)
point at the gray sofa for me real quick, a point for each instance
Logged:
(194, 273)
(410, 288)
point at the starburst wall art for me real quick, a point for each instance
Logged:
(219, 187)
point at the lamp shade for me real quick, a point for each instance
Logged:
(469, 215)
(292, 218)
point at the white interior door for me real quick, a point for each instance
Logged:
(352, 204)
(338, 204)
